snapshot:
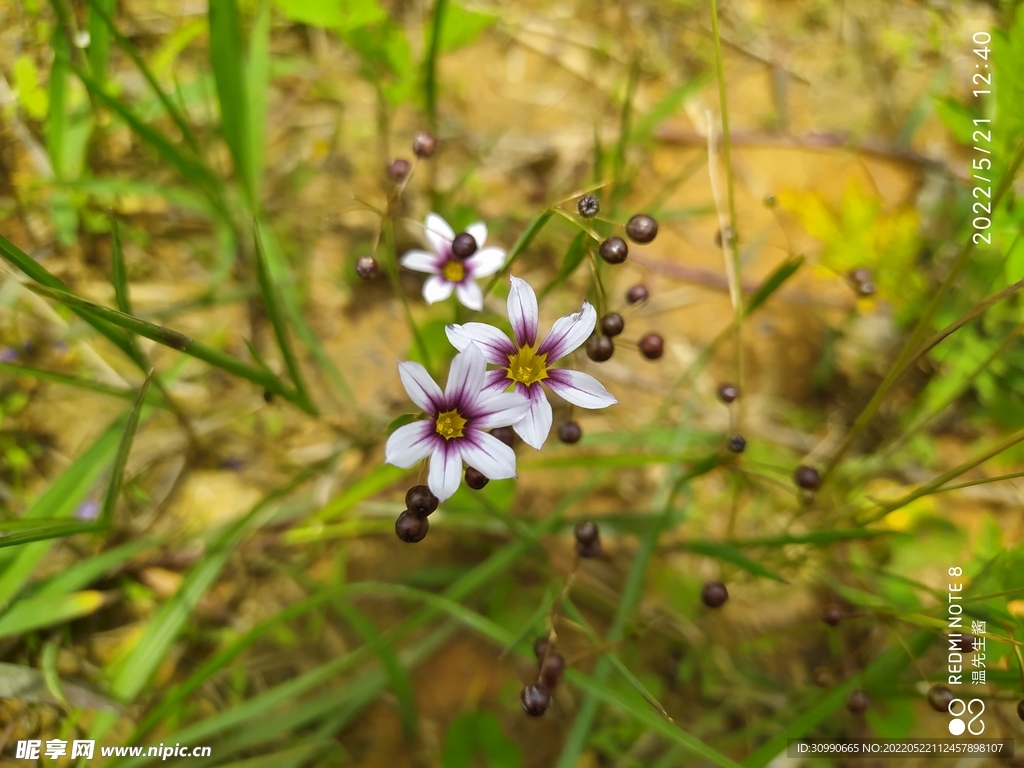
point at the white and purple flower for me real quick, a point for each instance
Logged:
(448, 272)
(453, 431)
(525, 364)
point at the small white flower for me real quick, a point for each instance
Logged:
(453, 433)
(526, 363)
(449, 273)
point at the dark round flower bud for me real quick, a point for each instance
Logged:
(399, 169)
(424, 145)
(367, 267)
(823, 677)
(420, 500)
(411, 528)
(966, 643)
(268, 397)
(463, 246)
(476, 479)
(807, 478)
(728, 392)
(636, 294)
(600, 348)
(612, 324)
(507, 435)
(714, 594)
(613, 250)
(858, 702)
(769, 201)
(589, 551)
(832, 614)
(551, 670)
(736, 443)
(652, 346)
(587, 532)
(587, 206)
(939, 697)
(642, 228)
(540, 647)
(570, 432)
(536, 699)
(1020, 709)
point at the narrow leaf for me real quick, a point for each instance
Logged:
(732, 555)
(120, 269)
(38, 612)
(28, 684)
(226, 59)
(773, 282)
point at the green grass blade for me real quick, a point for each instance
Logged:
(18, 258)
(102, 10)
(99, 39)
(175, 340)
(152, 398)
(664, 109)
(85, 572)
(573, 258)
(120, 269)
(883, 669)
(401, 684)
(47, 611)
(28, 684)
(257, 81)
(48, 664)
(520, 245)
(59, 501)
(430, 61)
(369, 485)
(731, 555)
(42, 531)
(132, 675)
(643, 714)
(226, 60)
(191, 169)
(773, 282)
(121, 459)
(57, 116)
(272, 304)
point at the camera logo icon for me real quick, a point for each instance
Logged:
(975, 725)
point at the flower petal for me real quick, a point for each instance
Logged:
(422, 389)
(522, 312)
(479, 233)
(496, 380)
(489, 455)
(485, 262)
(498, 409)
(568, 333)
(465, 379)
(421, 261)
(536, 424)
(493, 343)
(445, 469)
(411, 443)
(470, 295)
(439, 234)
(437, 289)
(579, 388)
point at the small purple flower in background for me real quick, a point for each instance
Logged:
(526, 364)
(8, 354)
(453, 431)
(88, 510)
(448, 271)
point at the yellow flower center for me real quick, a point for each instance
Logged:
(453, 271)
(526, 366)
(449, 424)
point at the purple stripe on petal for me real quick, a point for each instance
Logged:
(535, 426)
(579, 388)
(522, 312)
(493, 343)
(445, 470)
(568, 333)
(489, 455)
(411, 443)
(422, 389)
(465, 379)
